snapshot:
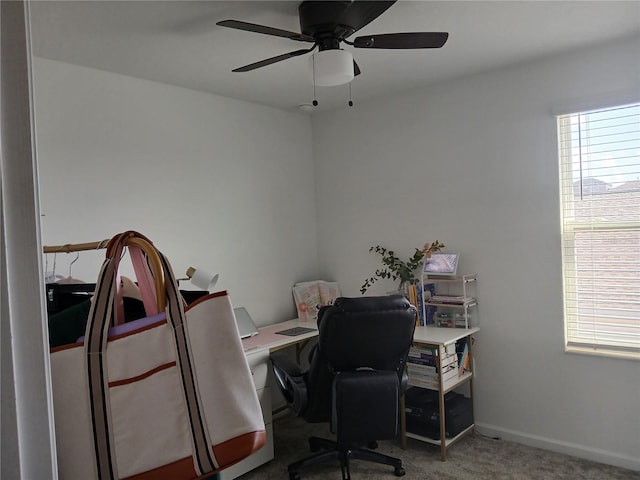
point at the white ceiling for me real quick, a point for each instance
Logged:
(178, 42)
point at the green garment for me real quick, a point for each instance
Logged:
(68, 325)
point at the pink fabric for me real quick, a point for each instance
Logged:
(145, 280)
(145, 283)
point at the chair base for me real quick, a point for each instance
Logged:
(328, 450)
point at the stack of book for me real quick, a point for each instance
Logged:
(417, 297)
(423, 366)
(414, 295)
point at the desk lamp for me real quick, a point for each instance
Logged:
(201, 278)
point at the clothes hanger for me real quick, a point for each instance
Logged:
(72, 262)
(70, 279)
(50, 275)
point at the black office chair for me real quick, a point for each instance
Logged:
(355, 379)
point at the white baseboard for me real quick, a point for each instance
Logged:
(573, 449)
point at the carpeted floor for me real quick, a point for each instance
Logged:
(472, 458)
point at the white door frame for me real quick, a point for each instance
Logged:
(27, 434)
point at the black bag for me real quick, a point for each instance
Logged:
(423, 416)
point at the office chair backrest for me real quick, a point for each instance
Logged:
(355, 333)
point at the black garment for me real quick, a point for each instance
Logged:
(67, 325)
(61, 296)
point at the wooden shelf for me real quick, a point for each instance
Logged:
(449, 386)
(447, 441)
(465, 377)
(435, 336)
(440, 338)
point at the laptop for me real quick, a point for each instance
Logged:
(246, 327)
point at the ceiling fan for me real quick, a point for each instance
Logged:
(327, 24)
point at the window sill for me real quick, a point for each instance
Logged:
(602, 352)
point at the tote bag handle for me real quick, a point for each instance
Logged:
(148, 271)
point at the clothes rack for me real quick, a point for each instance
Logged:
(76, 247)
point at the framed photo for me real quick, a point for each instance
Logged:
(441, 264)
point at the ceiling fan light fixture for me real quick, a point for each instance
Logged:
(332, 67)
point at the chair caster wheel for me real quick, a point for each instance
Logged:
(399, 472)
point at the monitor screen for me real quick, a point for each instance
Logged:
(445, 264)
(246, 327)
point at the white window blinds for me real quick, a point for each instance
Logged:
(600, 205)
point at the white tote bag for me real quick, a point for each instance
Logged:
(169, 397)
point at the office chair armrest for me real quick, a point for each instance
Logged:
(290, 379)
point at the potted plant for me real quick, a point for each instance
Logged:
(394, 268)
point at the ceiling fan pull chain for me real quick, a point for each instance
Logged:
(350, 100)
(313, 66)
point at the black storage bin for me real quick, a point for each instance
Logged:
(423, 418)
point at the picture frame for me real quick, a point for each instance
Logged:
(441, 264)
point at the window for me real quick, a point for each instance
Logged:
(600, 206)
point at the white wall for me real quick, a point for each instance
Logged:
(216, 183)
(473, 163)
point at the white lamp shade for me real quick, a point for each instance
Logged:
(203, 279)
(332, 67)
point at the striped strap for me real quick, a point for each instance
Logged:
(95, 345)
(204, 460)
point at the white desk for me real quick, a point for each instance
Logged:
(270, 340)
(433, 335)
(257, 350)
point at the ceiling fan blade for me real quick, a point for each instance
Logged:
(363, 12)
(253, 27)
(269, 61)
(403, 40)
(356, 69)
